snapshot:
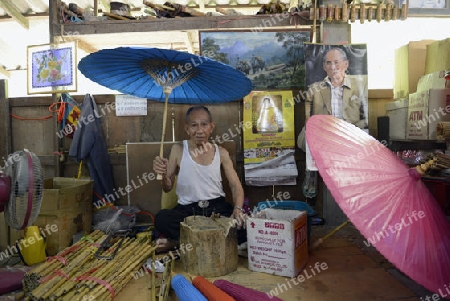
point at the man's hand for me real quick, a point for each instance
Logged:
(160, 165)
(240, 218)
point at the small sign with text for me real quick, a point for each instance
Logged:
(127, 105)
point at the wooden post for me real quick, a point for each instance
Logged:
(5, 122)
(95, 8)
(57, 142)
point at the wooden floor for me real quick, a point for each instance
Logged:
(353, 272)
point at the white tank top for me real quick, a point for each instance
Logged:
(198, 182)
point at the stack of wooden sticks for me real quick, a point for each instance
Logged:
(362, 12)
(77, 274)
(442, 160)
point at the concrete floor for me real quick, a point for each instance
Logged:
(354, 272)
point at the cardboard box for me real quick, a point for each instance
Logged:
(438, 56)
(66, 206)
(277, 242)
(397, 112)
(426, 109)
(66, 225)
(409, 67)
(66, 194)
(433, 80)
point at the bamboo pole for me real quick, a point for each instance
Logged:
(344, 12)
(395, 13)
(378, 13)
(388, 12)
(362, 13)
(352, 13)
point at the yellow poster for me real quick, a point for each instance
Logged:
(271, 114)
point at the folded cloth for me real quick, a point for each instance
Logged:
(12, 279)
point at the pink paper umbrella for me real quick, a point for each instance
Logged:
(384, 199)
(242, 293)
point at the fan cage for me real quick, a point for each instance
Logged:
(27, 186)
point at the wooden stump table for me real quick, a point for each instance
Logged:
(213, 246)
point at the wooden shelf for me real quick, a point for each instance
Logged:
(183, 24)
(400, 145)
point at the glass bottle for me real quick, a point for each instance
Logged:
(309, 186)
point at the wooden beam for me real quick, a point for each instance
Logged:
(5, 72)
(30, 101)
(188, 42)
(81, 44)
(86, 47)
(381, 93)
(105, 5)
(28, 16)
(256, 22)
(14, 12)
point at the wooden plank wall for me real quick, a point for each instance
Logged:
(39, 136)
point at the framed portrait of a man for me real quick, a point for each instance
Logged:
(337, 82)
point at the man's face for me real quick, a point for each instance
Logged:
(335, 66)
(199, 128)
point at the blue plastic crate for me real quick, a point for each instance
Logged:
(287, 205)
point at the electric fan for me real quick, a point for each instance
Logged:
(21, 189)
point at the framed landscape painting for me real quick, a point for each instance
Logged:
(271, 59)
(52, 69)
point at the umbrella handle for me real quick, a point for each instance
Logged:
(161, 149)
(321, 240)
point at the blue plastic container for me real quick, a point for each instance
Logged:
(291, 205)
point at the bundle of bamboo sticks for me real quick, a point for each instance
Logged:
(443, 131)
(76, 274)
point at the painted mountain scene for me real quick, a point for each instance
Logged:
(273, 60)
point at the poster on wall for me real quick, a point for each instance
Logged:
(271, 59)
(52, 68)
(337, 83)
(269, 143)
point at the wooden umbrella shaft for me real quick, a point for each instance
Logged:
(161, 149)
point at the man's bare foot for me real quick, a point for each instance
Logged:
(164, 245)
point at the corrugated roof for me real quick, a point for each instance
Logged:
(14, 38)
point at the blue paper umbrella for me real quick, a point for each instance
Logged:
(184, 290)
(153, 73)
(165, 76)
